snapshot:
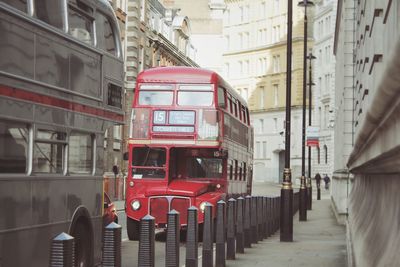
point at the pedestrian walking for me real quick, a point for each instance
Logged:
(318, 180)
(327, 180)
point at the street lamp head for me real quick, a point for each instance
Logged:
(306, 3)
(311, 83)
(311, 56)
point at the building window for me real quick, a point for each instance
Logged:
(257, 154)
(276, 63)
(276, 7)
(264, 145)
(326, 154)
(262, 95)
(245, 93)
(142, 10)
(261, 125)
(276, 91)
(227, 73)
(275, 124)
(262, 10)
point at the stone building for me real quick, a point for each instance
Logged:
(367, 129)
(255, 65)
(152, 35)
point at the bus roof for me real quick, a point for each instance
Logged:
(183, 74)
(178, 74)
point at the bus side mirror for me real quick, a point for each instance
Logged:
(126, 156)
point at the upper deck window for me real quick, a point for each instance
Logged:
(156, 94)
(104, 34)
(18, 4)
(195, 95)
(50, 11)
(162, 98)
(221, 97)
(80, 25)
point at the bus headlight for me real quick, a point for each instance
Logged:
(131, 183)
(203, 206)
(218, 186)
(135, 204)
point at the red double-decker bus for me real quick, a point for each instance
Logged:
(190, 143)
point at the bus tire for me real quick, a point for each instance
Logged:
(83, 244)
(81, 229)
(132, 228)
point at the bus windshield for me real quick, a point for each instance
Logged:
(198, 167)
(148, 162)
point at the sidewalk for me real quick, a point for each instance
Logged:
(319, 241)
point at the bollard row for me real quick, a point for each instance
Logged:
(240, 223)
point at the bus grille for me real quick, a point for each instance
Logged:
(181, 205)
(159, 209)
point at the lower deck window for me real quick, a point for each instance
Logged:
(13, 147)
(48, 151)
(80, 153)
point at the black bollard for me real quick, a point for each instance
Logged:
(192, 239)
(230, 241)
(173, 238)
(208, 236)
(146, 242)
(62, 251)
(220, 232)
(274, 212)
(260, 234)
(254, 222)
(265, 222)
(112, 245)
(247, 222)
(239, 225)
(318, 193)
(269, 215)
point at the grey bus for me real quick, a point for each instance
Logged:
(61, 79)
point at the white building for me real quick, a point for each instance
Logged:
(255, 65)
(324, 89)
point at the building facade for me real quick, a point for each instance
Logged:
(324, 89)
(367, 49)
(255, 65)
(206, 29)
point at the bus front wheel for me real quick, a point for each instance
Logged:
(82, 245)
(132, 228)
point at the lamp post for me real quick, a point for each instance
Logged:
(286, 212)
(310, 57)
(305, 188)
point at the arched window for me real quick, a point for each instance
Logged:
(326, 154)
(318, 155)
